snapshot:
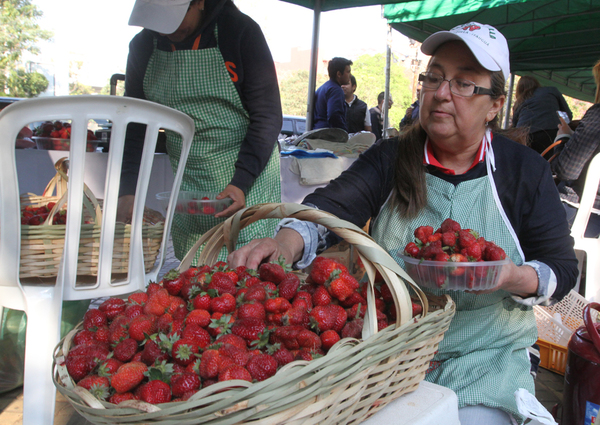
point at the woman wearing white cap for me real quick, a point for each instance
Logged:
(456, 163)
(207, 59)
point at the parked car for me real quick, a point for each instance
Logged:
(293, 125)
(5, 101)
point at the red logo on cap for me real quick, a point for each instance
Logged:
(471, 27)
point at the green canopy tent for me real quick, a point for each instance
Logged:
(556, 41)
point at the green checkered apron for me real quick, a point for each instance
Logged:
(483, 356)
(197, 82)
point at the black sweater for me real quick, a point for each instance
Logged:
(251, 68)
(525, 187)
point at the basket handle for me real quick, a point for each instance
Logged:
(372, 255)
(60, 181)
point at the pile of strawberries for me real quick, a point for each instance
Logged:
(212, 324)
(58, 130)
(34, 216)
(451, 243)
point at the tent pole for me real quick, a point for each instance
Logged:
(509, 101)
(312, 73)
(386, 97)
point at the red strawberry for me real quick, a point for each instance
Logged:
(296, 316)
(139, 298)
(183, 383)
(153, 353)
(412, 250)
(109, 367)
(210, 363)
(271, 272)
(282, 355)
(199, 317)
(322, 267)
(142, 326)
(223, 304)
(112, 307)
(128, 376)
(308, 339)
(262, 366)
(416, 309)
(252, 311)
(423, 232)
(354, 298)
(429, 251)
(466, 238)
(287, 336)
(125, 350)
(341, 285)
(329, 338)
(235, 372)
(222, 283)
(158, 302)
(277, 305)
(118, 329)
(96, 385)
(121, 397)
(449, 225)
(255, 293)
(84, 337)
(156, 392)
(133, 310)
(442, 256)
(303, 298)
(321, 296)
(249, 329)
(357, 310)
(201, 301)
(331, 316)
(94, 318)
(220, 324)
(353, 328)
(449, 239)
(473, 251)
(200, 336)
(233, 340)
(184, 351)
(152, 288)
(382, 320)
(289, 286)
(164, 323)
(239, 355)
(173, 282)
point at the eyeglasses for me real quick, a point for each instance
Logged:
(458, 86)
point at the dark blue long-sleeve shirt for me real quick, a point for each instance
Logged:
(330, 107)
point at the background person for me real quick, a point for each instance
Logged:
(330, 106)
(377, 115)
(535, 108)
(412, 112)
(209, 60)
(358, 117)
(571, 165)
(456, 163)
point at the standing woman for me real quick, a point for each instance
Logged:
(209, 60)
(535, 108)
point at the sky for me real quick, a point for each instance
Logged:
(99, 36)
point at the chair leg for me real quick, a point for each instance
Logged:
(43, 332)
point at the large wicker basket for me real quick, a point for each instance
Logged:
(42, 245)
(354, 380)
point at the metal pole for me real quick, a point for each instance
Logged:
(509, 100)
(312, 73)
(386, 97)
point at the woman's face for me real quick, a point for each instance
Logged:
(190, 23)
(452, 121)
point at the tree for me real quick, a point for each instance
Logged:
(19, 33)
(294, 92)
(76, 87)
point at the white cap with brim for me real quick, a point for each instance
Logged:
(486, 43)
(163, 16)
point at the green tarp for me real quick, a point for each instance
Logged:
(556, 41)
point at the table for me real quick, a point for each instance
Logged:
(35, 168)
(291, 189)
(430, 404)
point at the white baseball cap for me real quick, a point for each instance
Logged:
(163, 16)
(487, 44)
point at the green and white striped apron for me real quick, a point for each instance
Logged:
(197, 82)
(483, 357)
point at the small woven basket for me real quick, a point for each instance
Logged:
(354, 380)
(42, 245)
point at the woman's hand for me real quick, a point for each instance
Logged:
(287, 243)
(125, 209)
(238, 197)
(563, 128)
(518, 280)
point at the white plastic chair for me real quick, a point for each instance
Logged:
(43, 303)
(589, 246)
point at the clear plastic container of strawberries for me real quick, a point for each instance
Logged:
(211, 324)
(453, 258)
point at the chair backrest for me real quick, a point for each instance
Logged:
(80, 109)
(590, 245)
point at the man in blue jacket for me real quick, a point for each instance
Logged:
(330, 106)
